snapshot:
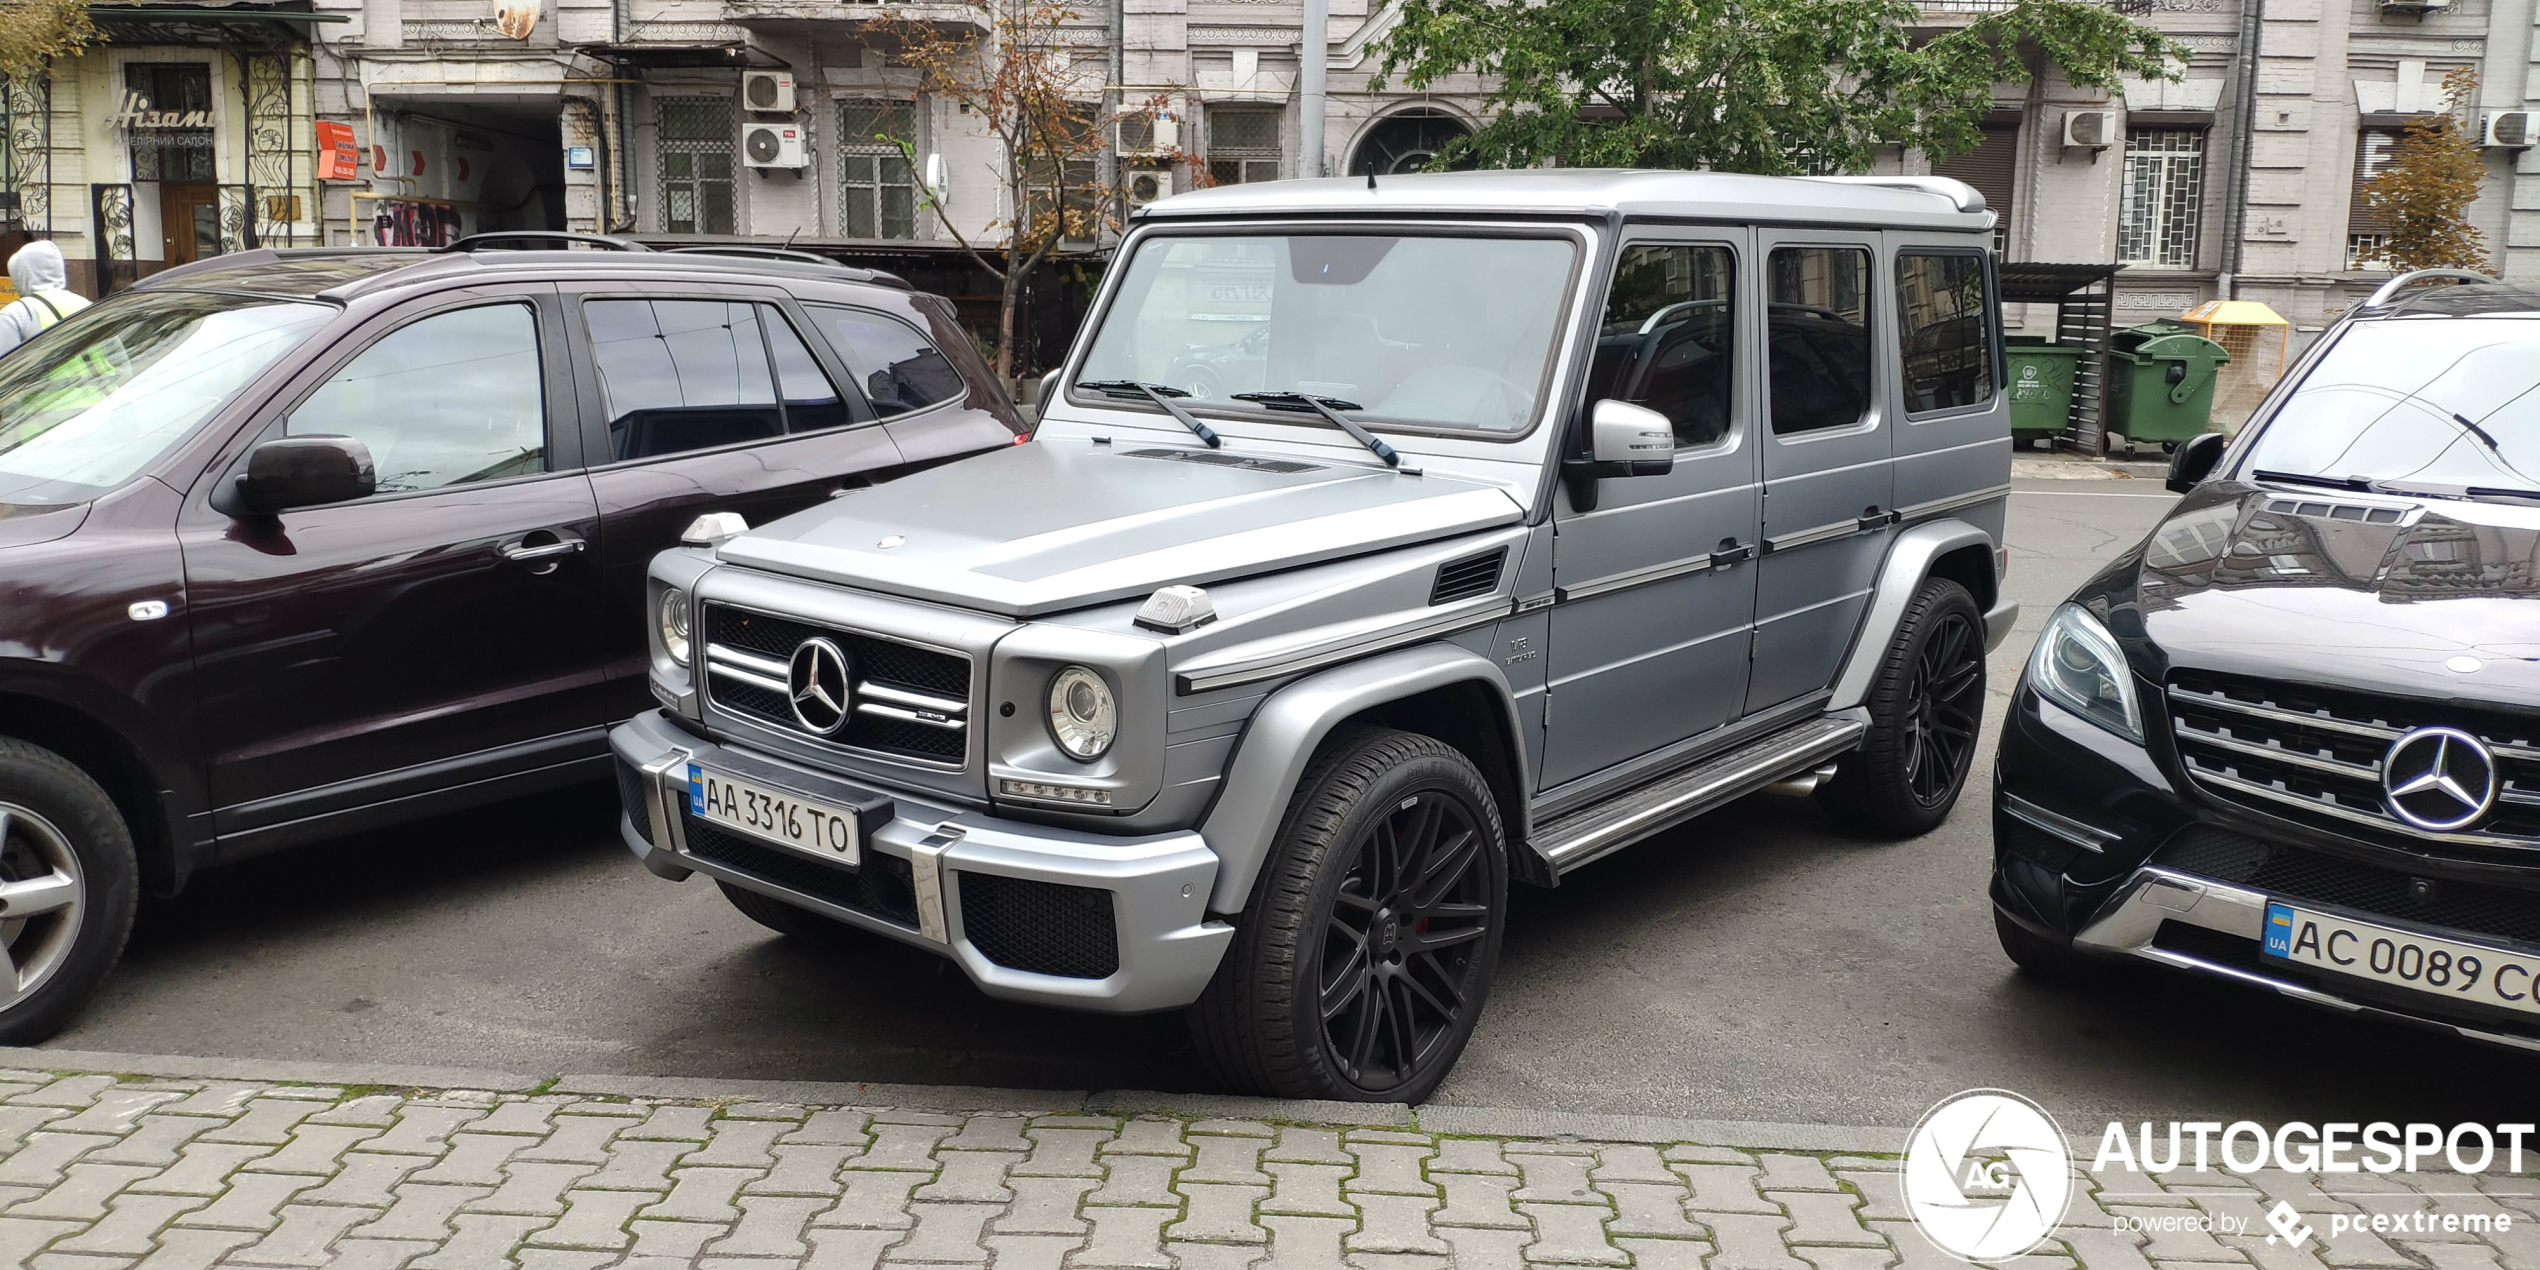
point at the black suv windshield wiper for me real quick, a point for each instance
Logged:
(1330, 408)
(1161, 395)
(2355, 483)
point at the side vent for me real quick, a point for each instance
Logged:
(1471, 576)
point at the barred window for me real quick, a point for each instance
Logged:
(1068, 189)
(2367, 231)
(2164, 197)
(877, 195)
(1243, 144)
(696, 165)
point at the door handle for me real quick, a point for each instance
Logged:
(542, 557)
(1732, 552)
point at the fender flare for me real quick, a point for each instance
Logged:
(1909, 561)
(1285, 732)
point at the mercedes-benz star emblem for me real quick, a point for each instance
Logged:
(2438, 779)
(816, 680)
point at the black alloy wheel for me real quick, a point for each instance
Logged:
(1364, 954)
(1926, 709)
(1943, 702)
(1399, 947)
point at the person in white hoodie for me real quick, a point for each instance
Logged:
(43, 295)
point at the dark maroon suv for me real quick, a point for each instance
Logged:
(293, 544)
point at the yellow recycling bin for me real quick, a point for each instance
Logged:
(2260, 343)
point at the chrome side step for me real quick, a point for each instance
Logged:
(1600, 829)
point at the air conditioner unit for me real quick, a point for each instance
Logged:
(768, 92)
(773, 145)
(2414, 6)
(2090, 129)
(1143, 135)
(2508, 129)
(1144, 185)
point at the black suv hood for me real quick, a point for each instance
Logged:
(2366, 592)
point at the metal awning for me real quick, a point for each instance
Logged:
(260, 25)
(2037, 282)
(731, 56)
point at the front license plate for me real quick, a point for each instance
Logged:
(2427, 964)
(769, 814)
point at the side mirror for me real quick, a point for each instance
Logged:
(1629, 440)
(2194, 460)
(1041, 400)
(289, 472)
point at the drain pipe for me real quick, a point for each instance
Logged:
(2243, 139)
(1314, 49)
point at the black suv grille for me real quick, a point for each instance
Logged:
(1042, 927)
(2314, 754)
(882, 887)
(2292, 873)
(908, 701)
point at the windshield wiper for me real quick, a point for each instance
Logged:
(2478, 432)
(2355, 483)
(2500, 491)
(1161, 395)
(1330, 408)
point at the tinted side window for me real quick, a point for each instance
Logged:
(1943, 323)
(1820, 336)
(682, 375)
(446, 400)
(811, 401)
(1668, 336)
(898, 368)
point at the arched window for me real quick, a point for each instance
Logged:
(1406, 142)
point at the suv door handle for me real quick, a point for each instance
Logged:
(526, 552)
(1732, 552)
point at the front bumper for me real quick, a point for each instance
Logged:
(2130, 926)
(1036, 895)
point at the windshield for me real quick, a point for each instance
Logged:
(1423, 331)
(2439, 403)
(103, 395)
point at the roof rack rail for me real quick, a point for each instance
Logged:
(754, 251)
(2419, 277)
(474, 242)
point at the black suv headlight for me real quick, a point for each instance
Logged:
(2077, 665)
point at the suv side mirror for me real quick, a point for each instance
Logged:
(1629, 440)
(2194, 460)
(289, 472)
(1041, 402)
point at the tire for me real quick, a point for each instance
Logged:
(68, 872)
(1384, 898)
(1926, 711)
(2044, 958)
(786, 919)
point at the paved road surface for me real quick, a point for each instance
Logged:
(1754, 965)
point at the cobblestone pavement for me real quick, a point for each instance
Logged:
(113, 1168)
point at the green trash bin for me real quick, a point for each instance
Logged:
(2041, 385)
(2161, 382)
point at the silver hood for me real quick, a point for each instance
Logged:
(1061, 524)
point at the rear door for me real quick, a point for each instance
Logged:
(1655, 599)
(1828, 483)
(1953, 440)
(443, 630)
(705, 399)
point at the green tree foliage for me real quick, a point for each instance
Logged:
(1764, 86)
(33, 32)
(2425, 193)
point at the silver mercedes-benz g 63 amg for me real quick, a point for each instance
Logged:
(1518, 517)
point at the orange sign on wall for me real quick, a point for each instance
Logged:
(338, 159)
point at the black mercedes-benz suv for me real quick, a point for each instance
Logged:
(2293, 737)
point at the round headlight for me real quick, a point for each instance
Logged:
(674, 624)
(1083, 717)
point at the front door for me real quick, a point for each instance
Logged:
(189, 221)
(444, 629)
(1828, 484)
(1655, 599)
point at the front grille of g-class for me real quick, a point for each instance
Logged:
(904, 701)
(2315, 754)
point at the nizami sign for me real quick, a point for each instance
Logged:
(135, 112)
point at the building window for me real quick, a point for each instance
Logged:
(1070, 188)
(2367, 232)
(696, 166)
(877, 193)
(1243, 144)
(1989, 169)
(2164, 196)
(177, 147)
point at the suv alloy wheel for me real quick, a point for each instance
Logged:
(66, 890)
(1365, 955)
(1925, 710)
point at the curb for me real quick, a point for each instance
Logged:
(1449, 1120)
